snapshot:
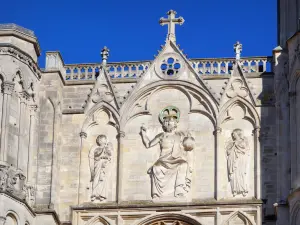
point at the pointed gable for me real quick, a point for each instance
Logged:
(237, 86)
(171, 65)
(102, 91)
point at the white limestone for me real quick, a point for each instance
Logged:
(167, 141)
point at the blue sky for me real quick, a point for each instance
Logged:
(130, 29)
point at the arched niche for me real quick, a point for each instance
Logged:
(196, 116)
(100, 121)
(168, 219)
(238, 114)
(238, 218)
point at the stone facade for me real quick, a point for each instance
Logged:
(167, 141)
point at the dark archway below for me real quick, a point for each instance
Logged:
(170, 219)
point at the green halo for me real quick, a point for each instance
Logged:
(169, 111)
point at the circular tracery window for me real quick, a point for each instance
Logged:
(170, 67)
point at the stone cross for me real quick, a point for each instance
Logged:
(238, 47)
(171, 21)
(104, 55)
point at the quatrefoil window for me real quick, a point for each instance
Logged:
(170, 66)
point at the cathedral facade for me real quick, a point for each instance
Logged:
(167, 141)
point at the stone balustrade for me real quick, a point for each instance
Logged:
(223, 66)
(208, 66)
(116, 70)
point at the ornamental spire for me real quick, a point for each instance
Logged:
(104, 55)
(171, 21)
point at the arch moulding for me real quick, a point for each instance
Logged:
(152, 219)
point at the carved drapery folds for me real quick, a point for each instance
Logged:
(238, 152)
(171, 174)
(240, 146)
(100, 158)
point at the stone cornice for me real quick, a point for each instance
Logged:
(8, 49)
(165, 206)
(22, 33)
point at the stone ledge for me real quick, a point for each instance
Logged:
(166, 205)
(12, 26)
(11, 29)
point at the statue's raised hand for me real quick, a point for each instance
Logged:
(143, 129)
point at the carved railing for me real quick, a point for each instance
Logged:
(208, 66)
(220, 66)
(116, 70)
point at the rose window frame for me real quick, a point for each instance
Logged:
(170, 66)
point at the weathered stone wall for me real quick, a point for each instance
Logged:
(75, 97)
(59, 151)
(48, 182)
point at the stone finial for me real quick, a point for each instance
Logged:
(238, 47)
(104, 55)
(171, 21)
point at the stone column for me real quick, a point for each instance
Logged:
(32, 124)
(293, 139)
(83, 136)
(120, 138)
(22, 117)
(256, 133)
(283, 154)
(7, 89)
(218, 164)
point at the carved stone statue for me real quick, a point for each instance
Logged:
(100, 157)
(238, 152)
(171, 174)
(12, 181)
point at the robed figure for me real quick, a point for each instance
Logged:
(100, 158)
(171, 174)
(237, 162)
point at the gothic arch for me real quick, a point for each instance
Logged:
(243, 216)
(149, 220)
(23, 79)
(108, 108)
(182, 86)
(101, 219)
(253, 115)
